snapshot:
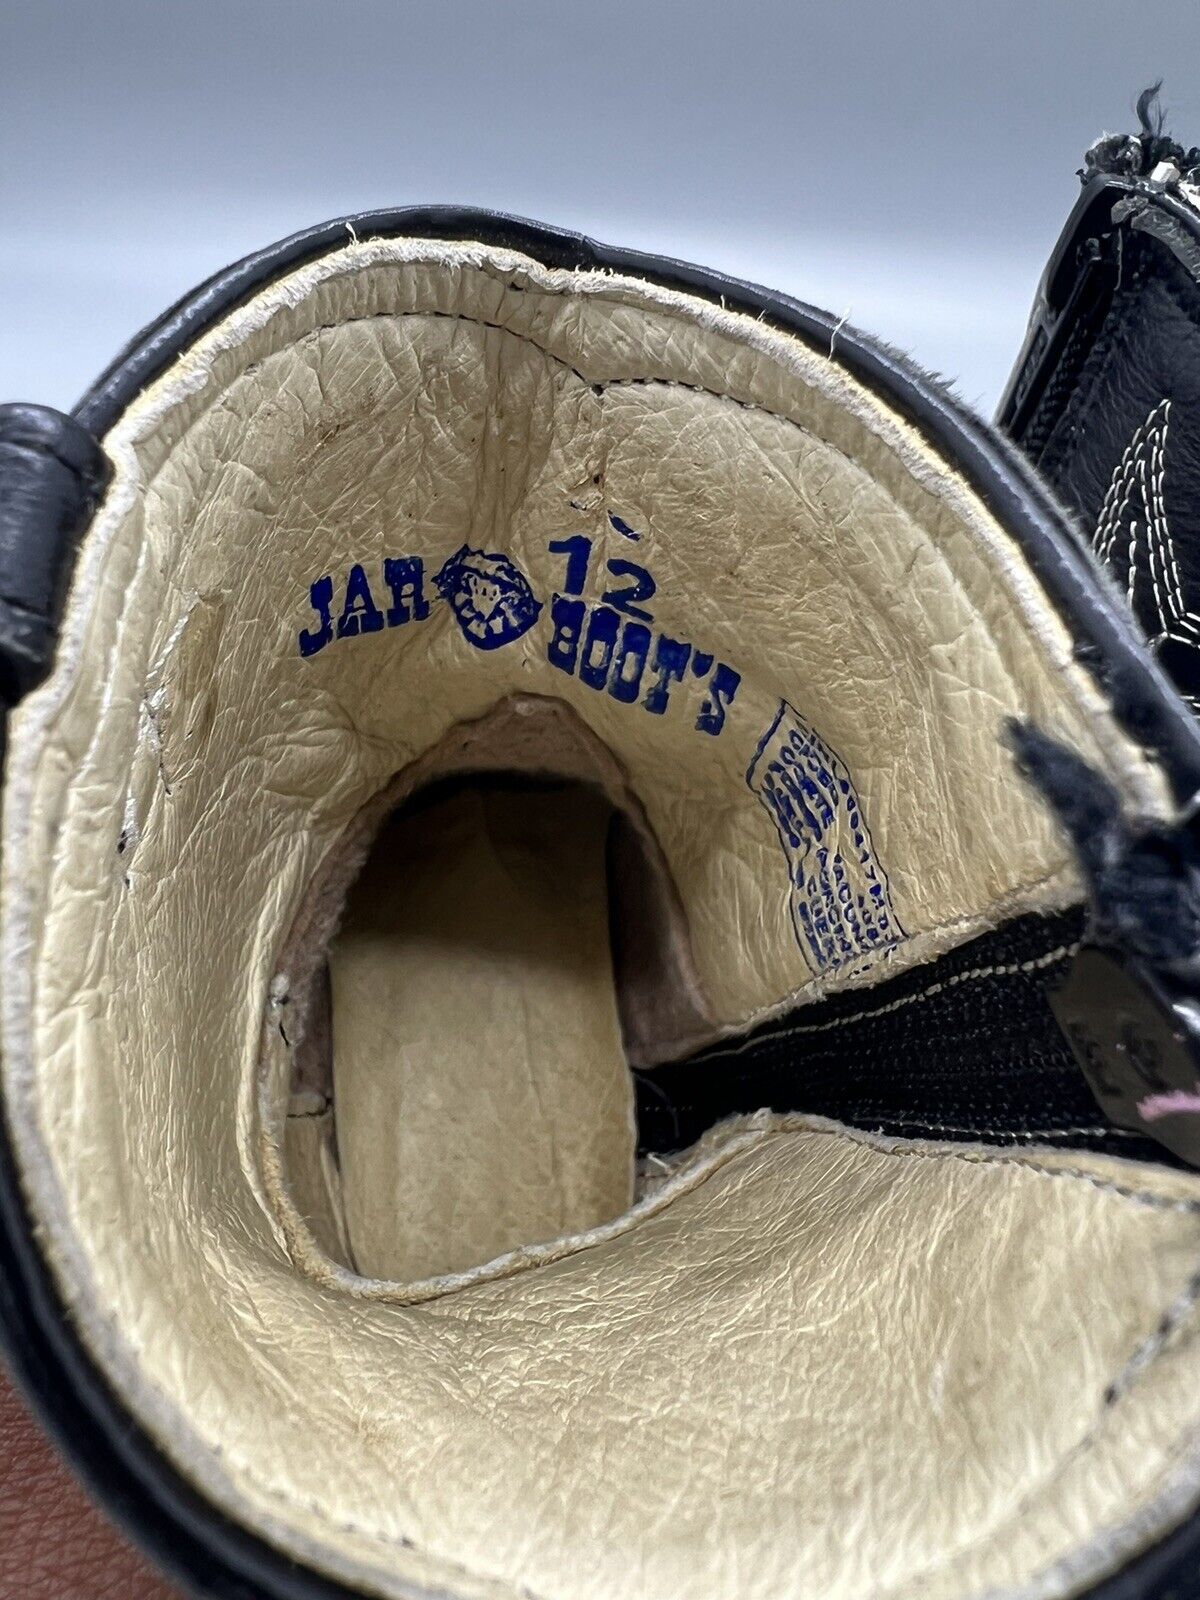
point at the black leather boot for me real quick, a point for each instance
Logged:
(601, 947)
(1105, 396)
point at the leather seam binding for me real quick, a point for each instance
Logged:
(1119, 1385)
(1052, 884)
(594, 384)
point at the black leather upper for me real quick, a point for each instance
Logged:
(1107, 403)
(51, 474)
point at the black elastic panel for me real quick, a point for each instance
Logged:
(963, 1048)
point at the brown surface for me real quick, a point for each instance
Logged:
(54, 1543)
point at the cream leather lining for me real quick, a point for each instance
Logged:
(482, 1093)
(812, 1363)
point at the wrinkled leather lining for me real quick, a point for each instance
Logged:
(804, 1327)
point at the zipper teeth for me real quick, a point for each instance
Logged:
(1089, 319)
(1046, 412)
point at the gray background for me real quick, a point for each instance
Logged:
(906, 161)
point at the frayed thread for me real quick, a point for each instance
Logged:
(1135, 155)
(1144, 883)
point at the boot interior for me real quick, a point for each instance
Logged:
(502, 1116)
(487, 687)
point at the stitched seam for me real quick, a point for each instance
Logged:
(1171, 575)
(1122, 481)
(666, 315)
(1130, 1371)
(1011, 969)
(1014, 1518)
(783, 1124)
(310, 335)
(597, 385)
(1008, 1133)
(1146, 1197)
(1126, 300)
(1137, 1365)
(1142, 466)
(315, 1261)
(594, 384)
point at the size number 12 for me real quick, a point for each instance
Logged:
(611, 646)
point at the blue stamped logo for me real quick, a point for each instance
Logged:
(841, 901)
(598, 627)
(489, 595)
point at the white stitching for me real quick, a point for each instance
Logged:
(1143, 1357)
(1006, 1133)
(1000, 970)
(1142, 468)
